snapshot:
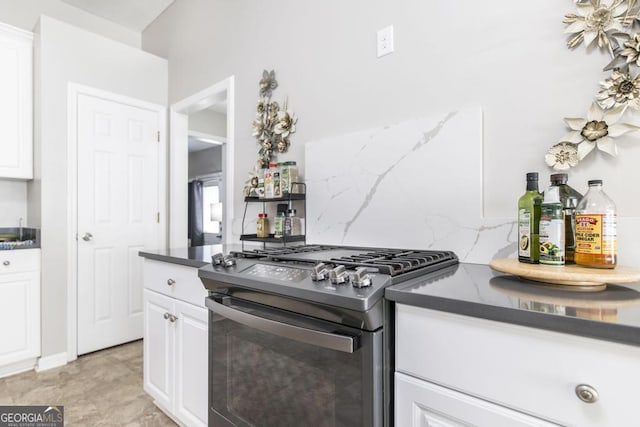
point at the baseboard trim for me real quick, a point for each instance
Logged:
(50, 362)
(17, 367)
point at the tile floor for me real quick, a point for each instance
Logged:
(98, 389)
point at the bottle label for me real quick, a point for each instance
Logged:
(552, 249)
(524, 233)
(596, 234)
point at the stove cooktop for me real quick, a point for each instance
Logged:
(353, 278)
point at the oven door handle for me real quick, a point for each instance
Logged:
(343, 343)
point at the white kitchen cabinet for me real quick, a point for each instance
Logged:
(16, 103)
(19, 310)
(521, 369)
(422, 404)
(176, 341)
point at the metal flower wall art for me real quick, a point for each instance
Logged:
(613, 26)
(273, 125)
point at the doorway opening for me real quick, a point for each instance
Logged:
(201, 151)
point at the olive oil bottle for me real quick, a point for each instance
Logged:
(529, 221)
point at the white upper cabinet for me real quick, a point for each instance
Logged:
(16, 103)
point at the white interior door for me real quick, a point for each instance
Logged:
(118, 211)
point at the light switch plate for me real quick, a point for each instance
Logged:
(385, 41)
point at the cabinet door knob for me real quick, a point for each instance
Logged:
(6, 262)
(172, 318)
(171, 282)
(166, 316)
(87, 237)
(586, 393)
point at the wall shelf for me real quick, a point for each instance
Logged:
(289, 198)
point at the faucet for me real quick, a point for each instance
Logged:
(20, 229)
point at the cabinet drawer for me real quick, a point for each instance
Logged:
(19, 260)
(526, 369)
(422, 404)
(177, 281)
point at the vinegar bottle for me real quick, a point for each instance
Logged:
(596, 220)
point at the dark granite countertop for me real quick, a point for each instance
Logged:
(197, 256)
(478, 291)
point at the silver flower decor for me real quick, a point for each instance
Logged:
(611, 23)
(598, 130)
(596, 21)
(562, 156)
(620, 89)
(272, 127)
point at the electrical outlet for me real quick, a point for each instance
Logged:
(385, 41)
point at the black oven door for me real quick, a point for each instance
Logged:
(270, 367)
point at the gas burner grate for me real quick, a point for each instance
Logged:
(394, 262)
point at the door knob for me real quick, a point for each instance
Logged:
(87, 237)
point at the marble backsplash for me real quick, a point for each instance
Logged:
(415, 184)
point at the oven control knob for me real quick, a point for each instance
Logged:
(319, 271)
(338, 275)
(360, 278)
(225, 261)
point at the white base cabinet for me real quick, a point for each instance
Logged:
(176, 343)
(473, 370)
(19, 310)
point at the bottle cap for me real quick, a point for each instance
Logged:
(532, 176)
(559, 178)
(273, 165)
(594, 182)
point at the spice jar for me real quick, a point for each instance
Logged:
(262, 229)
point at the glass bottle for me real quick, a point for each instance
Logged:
(596, 223)
(552, 228)
(292, 224)
(279, 225)
(262, 229)
(528, 221)
(569, 198)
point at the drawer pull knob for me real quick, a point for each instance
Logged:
(586, 393)
(170, 317)
(6, 263)
(171, 282)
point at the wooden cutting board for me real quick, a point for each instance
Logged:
(567, 275)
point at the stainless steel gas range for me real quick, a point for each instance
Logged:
(300, 335)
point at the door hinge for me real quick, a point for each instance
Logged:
(158, 217)
(158, 136)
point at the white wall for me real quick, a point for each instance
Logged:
(510, 60)
(209, 122)
(25, 14)
(68, 54)
(205, 162)
(13, 196)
